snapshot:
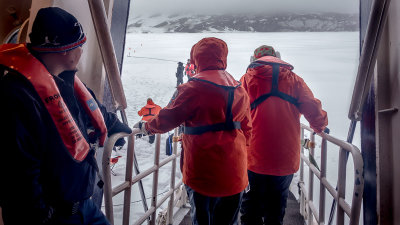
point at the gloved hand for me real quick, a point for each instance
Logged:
(142, 127)
(118, 127)
(120, 143)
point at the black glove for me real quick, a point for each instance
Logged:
(142, 127)
(120, 142)
(118, 127)
(326, 130)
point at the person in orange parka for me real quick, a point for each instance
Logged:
(189, 69)
(215, 112)
(149, 111)
(278, 98)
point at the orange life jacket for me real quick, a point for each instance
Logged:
(189, 69)
(17, 57)
(149, 110)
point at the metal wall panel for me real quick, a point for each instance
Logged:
(388, 119)
(368, 144)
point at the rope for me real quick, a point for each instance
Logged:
(154, 58)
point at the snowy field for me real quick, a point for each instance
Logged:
(326, 61)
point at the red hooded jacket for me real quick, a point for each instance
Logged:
(275, 142)
(149, 110)
(214, 162)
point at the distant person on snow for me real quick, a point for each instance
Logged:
(45, 137)
(278, 98)
(215, 112)
(149, 111)
(179, 74)
(189, 69)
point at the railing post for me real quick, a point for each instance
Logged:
(155, 180)
(324, 150)
(301, 181)
(128, 177)
(341, 192)
(172, 184)
(311, 183)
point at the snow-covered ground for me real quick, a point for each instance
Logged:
(326, 61)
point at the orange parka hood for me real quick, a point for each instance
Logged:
(209, 54)
(150, 101)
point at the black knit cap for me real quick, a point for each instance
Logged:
(55, 30)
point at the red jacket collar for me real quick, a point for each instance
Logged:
(272, 59)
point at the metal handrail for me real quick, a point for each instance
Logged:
(307, 204)
(130, 180)
(376, 24)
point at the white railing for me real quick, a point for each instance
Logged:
(130, 180)
(307, 206)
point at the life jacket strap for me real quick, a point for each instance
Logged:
(274, 88)
(212, 128)
(149, 114)
(229, 124)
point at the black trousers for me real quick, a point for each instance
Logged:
(84, 213)
(179, 81)
(265, 202)
(152, 138)
(87, 214)
(207, 210)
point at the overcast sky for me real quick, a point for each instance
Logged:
(139, 7)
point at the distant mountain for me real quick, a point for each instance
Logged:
(316, 22)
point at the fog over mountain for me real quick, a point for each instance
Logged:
(282, 22)
(223, 7)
